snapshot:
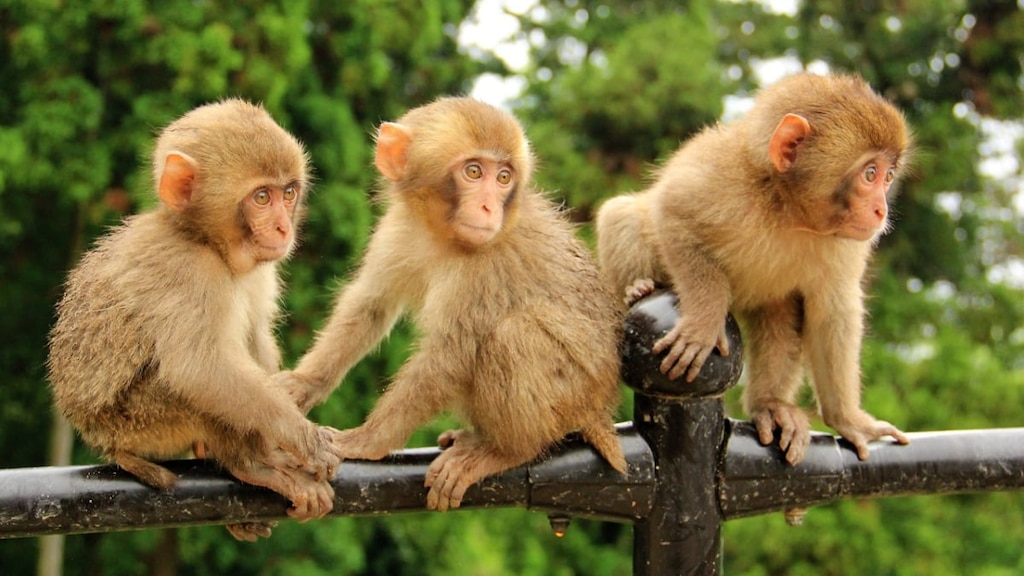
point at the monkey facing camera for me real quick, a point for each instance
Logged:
(647, 321)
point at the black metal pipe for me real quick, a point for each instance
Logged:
(573, 481)
(755, 479)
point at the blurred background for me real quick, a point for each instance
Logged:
(605, 89)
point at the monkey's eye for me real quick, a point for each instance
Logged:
(261, 197)
(870, 173)
(504, 177)
(890, 175)
(473, 171)
(290, 192)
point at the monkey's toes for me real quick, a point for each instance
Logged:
(314, 500)
(794, 430)
(251, 531)
(448, 438)
(638, 290)
(446, 490)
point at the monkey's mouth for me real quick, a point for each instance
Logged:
(272, 251)
(476, 234)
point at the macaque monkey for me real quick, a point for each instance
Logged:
(773, 216)
(519, 332)
(164, 337)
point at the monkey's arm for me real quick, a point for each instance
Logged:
(702, 288)
(835, 317)
(363, 315)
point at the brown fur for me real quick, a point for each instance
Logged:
(759, 216)
(164, 338)
(520, 333)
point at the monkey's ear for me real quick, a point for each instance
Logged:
(392, 146)
(782, 149)
(175, 188)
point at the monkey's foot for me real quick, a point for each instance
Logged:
(793, 424)
(638, 290)
(251, 531)
(310, 498)
(150, 474)
(467, 461)
(863, 428)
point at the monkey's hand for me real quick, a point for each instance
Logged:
(306, 447)
(689, 344)
(793, 424)
(359, 444)
(863, 428)
(305, 391)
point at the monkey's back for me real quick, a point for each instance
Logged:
(102, 347)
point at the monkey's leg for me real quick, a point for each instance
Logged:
(775, 369)
(148, 473)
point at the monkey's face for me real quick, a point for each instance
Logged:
(484, 188)
(866, 197)
(269, 215)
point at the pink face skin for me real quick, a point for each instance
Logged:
(869, 206)
(484, 185)
(269, 211)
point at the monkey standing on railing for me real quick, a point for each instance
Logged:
(773, 216)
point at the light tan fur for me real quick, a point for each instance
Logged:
(519, 331)
(772, 217)
(164, 338)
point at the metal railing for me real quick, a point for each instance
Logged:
(690, 470)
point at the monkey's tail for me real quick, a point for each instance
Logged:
(605, 440)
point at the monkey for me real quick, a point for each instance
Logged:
(773, 216)
(164, 337)
(519, 332)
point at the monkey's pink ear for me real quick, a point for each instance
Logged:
(175, 189)
(392, 146)
(782, 149)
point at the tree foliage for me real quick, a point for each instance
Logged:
(612, 88)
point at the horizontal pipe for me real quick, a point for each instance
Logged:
(756, 479)
(573, 481)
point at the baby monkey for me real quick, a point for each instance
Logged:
(519, 331)
(773, 216)
(164, 336)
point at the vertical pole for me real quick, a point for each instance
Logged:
(683, 532)
(684, 424)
